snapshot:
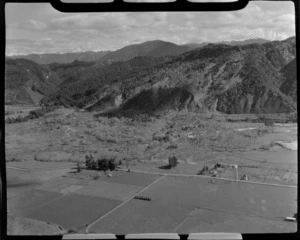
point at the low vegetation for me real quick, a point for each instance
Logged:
(33, 114)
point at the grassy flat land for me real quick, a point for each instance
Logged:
(43, 183)
(206, 220)
(73, 211)
(174, 199)
(109, 190)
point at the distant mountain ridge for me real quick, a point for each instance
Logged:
(155, 48)
(232, 43)
(47, 58)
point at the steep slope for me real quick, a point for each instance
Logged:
(47, 58)
(85, 86)
(155, 48)
(27, 82)
(229, 79)
(289, 85)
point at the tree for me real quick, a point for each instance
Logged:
(78, 167)
(93, 164)
(90, 162)
(103, 164)
(173, 161)
(87, 161)
(112, 164)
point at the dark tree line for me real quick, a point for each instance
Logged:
(101, 164)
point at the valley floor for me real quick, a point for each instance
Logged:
(44, 188)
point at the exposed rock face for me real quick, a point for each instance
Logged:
(107, 102)
(161, 99)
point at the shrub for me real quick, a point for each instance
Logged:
(96, 177)
(172, 146)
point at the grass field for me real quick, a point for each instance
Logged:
(175, 198)
(109, 190)
(61, 185)
(73, 211)
(138, 216)
(138, 179)
(206, 220)
(36, 165)
(27, 202)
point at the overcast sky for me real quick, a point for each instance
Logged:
(39, 28)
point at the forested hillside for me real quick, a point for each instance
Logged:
(28, 82)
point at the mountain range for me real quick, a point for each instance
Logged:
(154, 48)
(46, 58)
(157, 76)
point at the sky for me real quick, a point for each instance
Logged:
(39, 28)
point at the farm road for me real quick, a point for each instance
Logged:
(218, 178)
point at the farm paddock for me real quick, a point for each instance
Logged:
(175, 199)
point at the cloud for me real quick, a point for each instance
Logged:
(44, 29)
(36, 25)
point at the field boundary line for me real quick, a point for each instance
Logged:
(21, 169)
(123, 203)
(217, 178)
(184, 220)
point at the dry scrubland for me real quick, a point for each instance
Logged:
(43, 183)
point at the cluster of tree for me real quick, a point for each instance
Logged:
(33, 114)
(101, 164)
(203, 170)
(173, 161)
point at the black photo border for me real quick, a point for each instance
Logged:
(120, 6)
